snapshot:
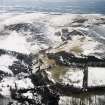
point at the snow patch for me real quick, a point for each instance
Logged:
(15, 42)
(73, 77)
(5, 62)
(12, 82)
(96, 76)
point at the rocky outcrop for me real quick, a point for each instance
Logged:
(67, 35)
(34, 92)
(69, 59)
(40, 78)
(39, 96)
(20, 27)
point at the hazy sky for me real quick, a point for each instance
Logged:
(48, 0)
(96, 6)
(42, 1)
(26, 1)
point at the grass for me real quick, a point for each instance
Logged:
(58, 71)
(82, 39)
(47, 61)
(76, 49)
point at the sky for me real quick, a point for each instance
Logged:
(26, 1)
(44, 1)
(57, 5)
(48, 0)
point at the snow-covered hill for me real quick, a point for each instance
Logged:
(39, 50)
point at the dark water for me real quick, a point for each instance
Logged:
(68, 6)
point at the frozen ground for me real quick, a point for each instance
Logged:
(96, 76)
(31, 33)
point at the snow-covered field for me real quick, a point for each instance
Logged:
(26, 41)
(11, 82)
(96, 76)
(17, 41)
(95, 100)
(5, 62)
(30, 33)
(74, 77)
